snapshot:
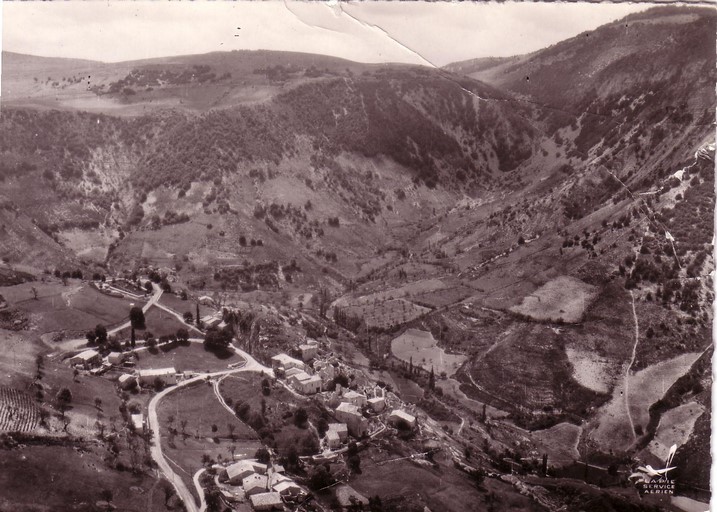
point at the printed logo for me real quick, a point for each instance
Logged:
(649, 480)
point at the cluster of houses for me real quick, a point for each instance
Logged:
(92, 360)
(266, 487)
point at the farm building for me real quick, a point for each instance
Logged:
(333, 440)
(266, 501)
(341, 429)
(398, 416)
(377, 404)
(242, 469)
(149, 377)
(351, 415)
(288, 488)
(115, 357)
(206, 300)
(254, 484)
(286, 362)
(210, 321)
(275, 478)
(292, 371)
(127, 381)
(357, 399)
(138, 421)
(305, 383)
(308, 352)
(86, 359)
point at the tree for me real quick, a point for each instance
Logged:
(300, 417)
(148, 287)
(64, 395)
(320, 477)
(188, 317)
(34, 292)
(133, 338)
(197, 318)
(242, 410)
(182, 335)
(136, 318)
(91, 337)
(263, 455)
(101, 334)
(265, 387)
(217, 339)
(432, 380)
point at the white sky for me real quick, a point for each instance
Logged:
(415, 32)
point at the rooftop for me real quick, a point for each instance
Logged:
(156, 372)
(266, 499)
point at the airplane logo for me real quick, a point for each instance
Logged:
(647, 474)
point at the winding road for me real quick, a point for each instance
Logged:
(252, 365)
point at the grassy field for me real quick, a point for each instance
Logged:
(75, 307)
(421, 348)
(564, 298)
(17, 357)
(44, 478)
(158, 322)
(182, 306)
(184, 358)
(199, 407)
(559, 442)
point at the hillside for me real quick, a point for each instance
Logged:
(519, 247)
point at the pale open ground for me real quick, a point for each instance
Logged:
(651, 384)
(591, 370)
(423, 348)
(563, 298)
(611, 425)
(675, 427)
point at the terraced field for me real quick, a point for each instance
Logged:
(18, 412)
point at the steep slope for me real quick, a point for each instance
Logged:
(348, 147)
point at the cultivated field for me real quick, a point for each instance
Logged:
(564, 298)
(388, 313)
(192, 357)
(76, 307)
(18, 412)
(421, 348)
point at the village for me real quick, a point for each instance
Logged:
(361, 409)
